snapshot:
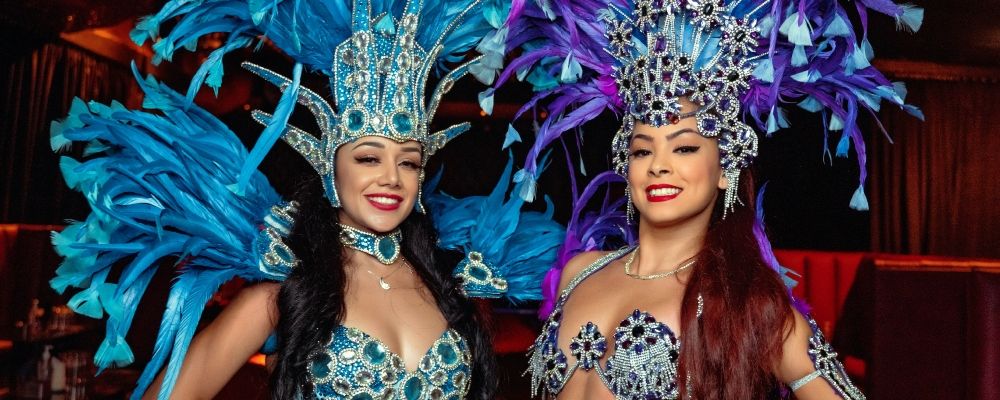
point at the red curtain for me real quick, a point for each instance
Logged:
(37, 89)
(936, 190)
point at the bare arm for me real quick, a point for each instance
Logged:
(220, 349)
(796, 364)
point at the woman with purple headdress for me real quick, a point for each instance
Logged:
(695, 306)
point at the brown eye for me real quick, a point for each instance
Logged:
(686, 149)
(366, 159)
(411, 165)
(640, 153)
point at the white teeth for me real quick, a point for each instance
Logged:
(383, 200)
(664, 191)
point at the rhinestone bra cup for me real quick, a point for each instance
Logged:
(356, 366)
(643, 364)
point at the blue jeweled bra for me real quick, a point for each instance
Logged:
(644, 362)
(357, 366)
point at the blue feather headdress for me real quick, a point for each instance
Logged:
(158, 184)
(507, 251)
(738, 60)
(378, 56)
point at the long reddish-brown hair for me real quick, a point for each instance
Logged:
(732, 350)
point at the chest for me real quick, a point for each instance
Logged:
(406, 317)
(355, 365)
(608, 297)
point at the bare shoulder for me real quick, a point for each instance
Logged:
(257, 301)
(577, 264)
(795, 360)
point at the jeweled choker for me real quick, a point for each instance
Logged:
(385, 248)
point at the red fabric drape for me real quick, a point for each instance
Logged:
(936, 190)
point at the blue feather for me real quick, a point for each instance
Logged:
(798, 30)
(273, 131)
(838, 27)
(859, 201)
(156, 184)
(517, 247)
(571, 70)
(511, 137)
(836, 123)
(527, 184)
(911, 19)
(486, 101)
(843, 145)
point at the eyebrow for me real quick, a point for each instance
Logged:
(372, 144)
(670, 136)
(382, 146)
(678, 133)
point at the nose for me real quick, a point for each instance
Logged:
(390, 175)
(660, 165)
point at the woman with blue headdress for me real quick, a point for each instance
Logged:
(694, 306)
(354, 300)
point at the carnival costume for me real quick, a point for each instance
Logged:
(173, 181)
(737, 61)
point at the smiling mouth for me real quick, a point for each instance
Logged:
(383, 201)
(658, 193)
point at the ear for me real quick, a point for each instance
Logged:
(723, 182)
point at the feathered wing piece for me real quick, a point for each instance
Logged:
(378, 55)
(588, 231)
(587, 56)
(507, 251)
(158, 186)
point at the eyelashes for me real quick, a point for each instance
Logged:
(372, 160)
(639, 153)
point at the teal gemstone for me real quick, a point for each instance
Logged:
(447, 352)
(402, 122)
(355, 120)
(413, 388)
(387, 248)
(479, 272)
(320, 366)
(283, 254)
(362, 396)
(374, 353)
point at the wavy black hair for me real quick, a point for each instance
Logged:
(311, 300)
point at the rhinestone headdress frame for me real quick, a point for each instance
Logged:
(696, 49)
(378, 81)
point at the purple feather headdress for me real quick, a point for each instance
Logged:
(740, 61)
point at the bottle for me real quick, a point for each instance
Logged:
(58, 381)
(34, 326)
(44, 365)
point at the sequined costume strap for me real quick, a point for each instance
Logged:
(590, 270)
(827, 365)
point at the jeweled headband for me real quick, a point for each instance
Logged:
(738, 61)
(378, 56)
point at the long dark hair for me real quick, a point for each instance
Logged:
(731, 351)
(311, 300)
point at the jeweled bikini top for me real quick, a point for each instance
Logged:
(644, 363)
(357, 366)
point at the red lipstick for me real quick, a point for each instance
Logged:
(662, 197)
(392, 206)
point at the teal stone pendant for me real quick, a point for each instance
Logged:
(384, 248)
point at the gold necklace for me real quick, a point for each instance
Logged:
(382, 283)
(683, 265)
